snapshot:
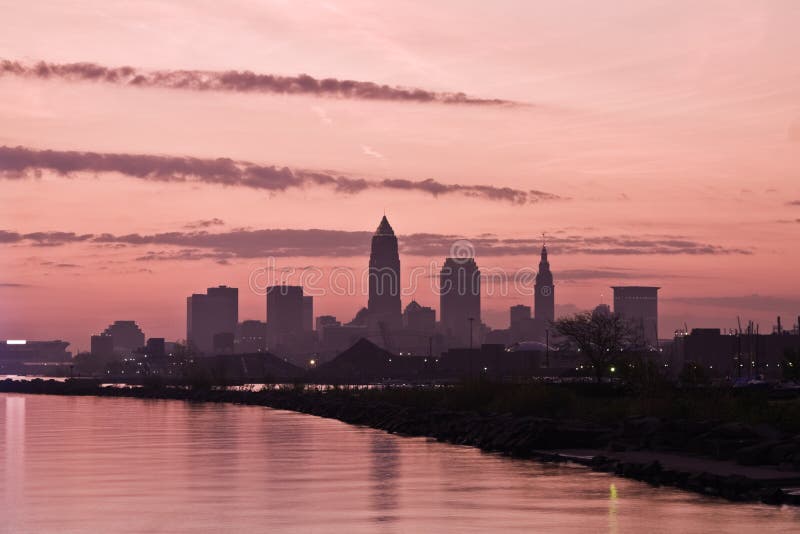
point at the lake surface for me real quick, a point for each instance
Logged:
(104, 465)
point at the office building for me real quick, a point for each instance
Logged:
(126, 336)
(102, 346)
(460, 301)
(285, 315)
(639, 306)
(215, 312)
(384, 280)
(308, 313)
(419, 318)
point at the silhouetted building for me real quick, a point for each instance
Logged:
(223, 343)
(102, 346)
(490, 360)
(544, 301)
(639, 305)
(285, 315)
(338, 337)
(252, 337)
(325, 320)
(460, 301)
(156, 347)
(519, 313)
(21, 350)
(602, 310)
(384, 280)
(308, 313)
(522, 327)
(126, 335)
(732, 354)
(361, 318)
(419, 318)
(215, 312)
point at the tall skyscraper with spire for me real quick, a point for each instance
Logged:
(544, 301)
(384, 280)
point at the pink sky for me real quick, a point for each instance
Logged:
(655, 122)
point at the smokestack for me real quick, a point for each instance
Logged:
(779, 325)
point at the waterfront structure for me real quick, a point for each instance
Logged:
(126, 336)
(460, 301)
(209, 314)
(733, 354)
(639, 306)
(384, 282)
(22, 350)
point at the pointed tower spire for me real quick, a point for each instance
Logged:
(544, 300)
(384, 228)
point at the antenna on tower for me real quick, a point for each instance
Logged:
(544, 239)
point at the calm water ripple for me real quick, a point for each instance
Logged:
(104, 465)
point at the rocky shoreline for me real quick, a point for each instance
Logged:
(601, 448)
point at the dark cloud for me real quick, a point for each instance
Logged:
(602, 274)
(248, 243)
(793, 203)
(204, 223)
(238, 82)
(13, 284)
(488, 245)
(43, 239)
(21, 162)
(185, 255)
(752, 302)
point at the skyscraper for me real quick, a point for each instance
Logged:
(384, 279)
(308, 313)
(285, 315)
(209, 314)
(460, 300)
(639, 305)
(544, 300)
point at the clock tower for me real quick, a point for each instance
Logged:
(544, 302)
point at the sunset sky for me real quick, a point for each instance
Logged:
(654, 142)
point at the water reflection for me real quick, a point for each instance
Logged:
(97, 465)
(14, 453)
(613, 526)
(385, 472)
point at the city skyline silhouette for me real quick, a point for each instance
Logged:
(125, 169)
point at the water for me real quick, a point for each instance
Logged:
(104, 465)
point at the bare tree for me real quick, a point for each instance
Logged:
(599, 337)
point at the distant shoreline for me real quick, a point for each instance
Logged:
(542, 439)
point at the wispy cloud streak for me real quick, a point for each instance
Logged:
(261, 243)
(21, 162)
(238, 82)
